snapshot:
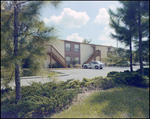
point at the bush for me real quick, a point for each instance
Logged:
(77, 65)
(56, 65)
(107, 83)
(38, 100)
(110, 74)
(146, 71)
(129, 78)
(70, 65)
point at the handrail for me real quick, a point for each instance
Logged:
(57, 54)
(95, 53)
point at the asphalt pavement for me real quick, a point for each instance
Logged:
(78, 74)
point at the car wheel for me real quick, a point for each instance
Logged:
(96, 67)
(85, 67)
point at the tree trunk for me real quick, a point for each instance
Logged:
(131, 68)
(140, 41)
(17, 72)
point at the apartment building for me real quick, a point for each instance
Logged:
(66, 52)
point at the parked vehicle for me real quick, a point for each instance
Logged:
(145, 63)
(94, 64)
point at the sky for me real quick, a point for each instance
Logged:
(78, 20)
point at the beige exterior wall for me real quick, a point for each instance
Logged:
(47, 61)
(59, 46)
(103, 52)
(85, 52)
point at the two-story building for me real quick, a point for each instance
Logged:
(66, 52)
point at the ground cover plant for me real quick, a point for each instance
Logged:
(38, 100)
(118, 102)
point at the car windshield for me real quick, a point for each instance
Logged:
(99, 62)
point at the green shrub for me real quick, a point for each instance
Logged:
(39, 99)
(146, 71)
(110, 74)
(70, 65)
(56, 65)
(77, 65)
(129, 78)
(107, 83)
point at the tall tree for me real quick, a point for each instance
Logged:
(124, 31)
(23, 33)
(140, 12)
(135, 16)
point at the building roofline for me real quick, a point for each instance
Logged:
(86, 43)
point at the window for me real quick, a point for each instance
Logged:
(77, 59)
(68, 60)
(76, 48)
(95, 63)
(67, 46)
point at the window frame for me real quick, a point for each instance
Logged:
(76, 48)
(68, 47)
(77, 60)
(69, 62)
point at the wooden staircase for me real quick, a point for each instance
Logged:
(94, 55)
(56, 56)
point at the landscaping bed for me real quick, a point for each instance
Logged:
(44, 100)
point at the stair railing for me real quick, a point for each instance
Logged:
(52, 50)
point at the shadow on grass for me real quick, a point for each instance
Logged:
(126, 102)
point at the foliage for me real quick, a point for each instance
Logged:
(146, 71)
(77, 65)
(23, 38)
(38, 100)
(56, 65)
(87, 41)
(110, 74)
(75, 62)
(119, 59)
(70, 65)
(129, 78)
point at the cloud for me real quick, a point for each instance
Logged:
(69, 18)
(75, 37)
(102, 17)
(105, 38)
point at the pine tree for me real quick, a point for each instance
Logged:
(124, 31)
(23, 35)
(135, 16)
(140, 15)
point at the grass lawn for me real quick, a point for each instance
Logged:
(119, 102)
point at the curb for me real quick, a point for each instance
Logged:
(29, 77)
(62, 74)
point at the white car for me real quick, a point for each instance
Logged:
(94, 64)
